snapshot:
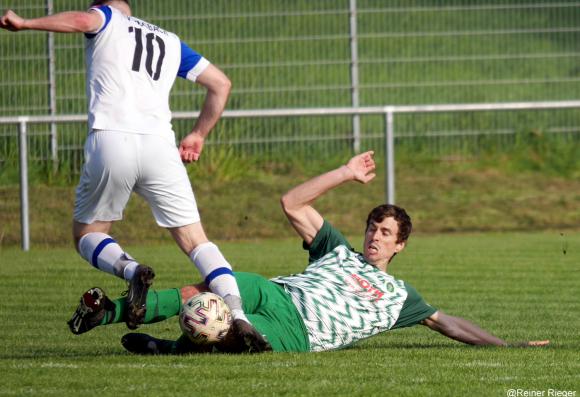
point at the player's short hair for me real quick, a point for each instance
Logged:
(378, 214)
(95, 3)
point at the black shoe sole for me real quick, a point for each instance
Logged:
(90, 320)
(136, 309)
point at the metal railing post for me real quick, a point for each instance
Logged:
(389, 156)
(354, 77)
(52, 90)
(23, 155)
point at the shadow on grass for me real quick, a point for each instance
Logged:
(458, 346)
(401, 346)
(413, 345)
(40, 354)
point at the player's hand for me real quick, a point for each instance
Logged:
(362, 167)
(11, 21)
(538, 343)
(190, 147)
(532, 343)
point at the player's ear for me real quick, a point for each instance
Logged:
(400, 246)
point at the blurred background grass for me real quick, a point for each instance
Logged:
(237, 200)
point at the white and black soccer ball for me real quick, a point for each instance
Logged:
(205, 318)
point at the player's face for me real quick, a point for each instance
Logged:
(381, 242)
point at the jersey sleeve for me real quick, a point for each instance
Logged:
(192, 64)
(414, 310)
(327, 239)
(106, 14)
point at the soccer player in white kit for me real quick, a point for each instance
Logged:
(131, 67)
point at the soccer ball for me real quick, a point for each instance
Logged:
(205, 318)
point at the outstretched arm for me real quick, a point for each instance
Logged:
(464, 331)
(296, 203)
(64, 22)
(218, 87)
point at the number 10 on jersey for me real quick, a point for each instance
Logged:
(150, 51)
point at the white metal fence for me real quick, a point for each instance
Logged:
(321, 53)
(387, 112)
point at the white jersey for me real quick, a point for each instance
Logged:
(342, 299)
(131, 67)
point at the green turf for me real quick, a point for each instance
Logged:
(520, 286)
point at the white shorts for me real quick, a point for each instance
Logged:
(118, 163)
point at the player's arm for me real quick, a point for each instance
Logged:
(64, 22)
(297, 202)
(218, 87)
(464, 331)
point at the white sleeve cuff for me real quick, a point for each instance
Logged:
(198, 69)
(103, 19)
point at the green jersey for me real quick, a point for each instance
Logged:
(342, 298)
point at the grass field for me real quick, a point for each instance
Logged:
(520, 286)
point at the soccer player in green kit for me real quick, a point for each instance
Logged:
(341, 297)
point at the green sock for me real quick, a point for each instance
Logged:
(161, 305)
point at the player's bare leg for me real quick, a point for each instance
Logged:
(80, 229)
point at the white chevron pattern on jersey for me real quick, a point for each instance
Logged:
(342, 299)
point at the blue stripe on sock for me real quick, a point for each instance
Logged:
(99, 249)
(216, 273)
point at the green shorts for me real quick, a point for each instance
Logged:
(270, 309)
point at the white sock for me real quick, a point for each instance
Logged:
(129, 267)
(218, 276)
(101, 251)
(238, 313)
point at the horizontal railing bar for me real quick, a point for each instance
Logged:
(256, 113)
